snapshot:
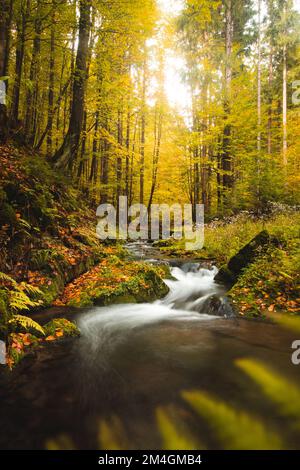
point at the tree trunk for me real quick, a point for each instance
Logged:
(21, 33)
(66, 155)
(119, 157)
(51, 87)
(32, 93)
(81, 166)
(130, 195)
(127, 163)
(156, 153)
(270, 111)
(226, 157)
(143, 131)
(270, 6)
(94, 165)
(5, 23)
(284, 106)
(259, 83)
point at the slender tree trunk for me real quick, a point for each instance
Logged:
(66, 155)
(6, 7)
(94, 164)
(127, 162)
(226, 157)
(119, 158)
(284, 108)
(258, 162)
(58, 116)
(204, 164)
(32, 93)
(63, 91)
(259, 83)
(219, 179)
(5, 24)
(143, 135)
(104, 167)
(20, 47)
(156, 154)
(51, 86)
(81, 166)
(130, 197)
(270, 111)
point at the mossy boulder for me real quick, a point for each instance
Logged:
(60, 327)
(230, 273)
(115, 281)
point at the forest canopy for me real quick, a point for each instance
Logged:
(87, 86)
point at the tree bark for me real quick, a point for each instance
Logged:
(94, 165)
(259, 83)
(284, 96)
(226, 157)
(65, 156)
(270, 111)
(51, 86)
(32, 93)
(5, 23)
(156, 153)
(21, 35)
(143, 134)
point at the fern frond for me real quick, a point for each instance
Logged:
(27, 323)
(20, 301)
(4, 277)
(30, 289)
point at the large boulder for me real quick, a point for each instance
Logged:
(230, 273)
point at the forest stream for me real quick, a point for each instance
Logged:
(133, 358)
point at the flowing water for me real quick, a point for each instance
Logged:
(133, 358)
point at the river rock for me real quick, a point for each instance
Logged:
(219, 306)
(229, 274)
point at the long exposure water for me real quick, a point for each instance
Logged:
(132, 358)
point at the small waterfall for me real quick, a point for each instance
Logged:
(191, 283)
(194, 296)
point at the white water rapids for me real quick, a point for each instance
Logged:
(190, 290)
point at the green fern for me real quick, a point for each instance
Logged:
(27, 323)
(5, 278)
(30, 289)
(18, 300)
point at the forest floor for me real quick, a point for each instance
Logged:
(48, 242)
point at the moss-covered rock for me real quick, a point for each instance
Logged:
(60, 327)
(116, 281)
(19, 346)
(22, 344)
(270, 284)
(230, 273)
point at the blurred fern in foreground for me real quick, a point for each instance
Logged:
(233, 428)
(284, 394)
